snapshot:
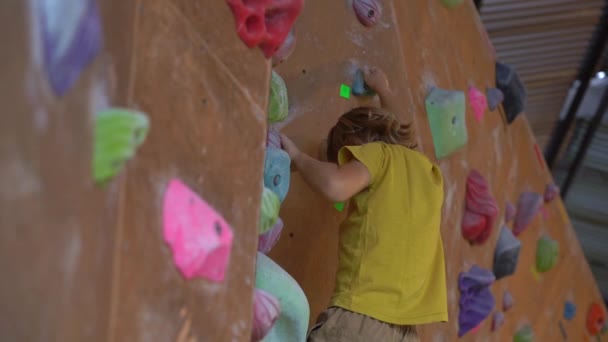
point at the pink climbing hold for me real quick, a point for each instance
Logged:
(498, 319)
(478, 102)
(199, 237)
(368, 11)
(509, 212)
(266, 311)
(527, 206)
(507, 301)
(551, 191)
(267, 240)
(481, 209)
(265, 23)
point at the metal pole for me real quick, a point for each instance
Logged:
(595, 122)
(585, 72)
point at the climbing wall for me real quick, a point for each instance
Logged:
(423, 44)
(84, 260)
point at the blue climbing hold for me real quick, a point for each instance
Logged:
(277, 171)
(359, 87)
(569, 310)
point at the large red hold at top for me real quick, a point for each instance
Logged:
(481, 210)
(265, 23)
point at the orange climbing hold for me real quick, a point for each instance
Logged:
(265, 23)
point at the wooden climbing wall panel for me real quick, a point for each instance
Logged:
(421, 44)
(81, 262)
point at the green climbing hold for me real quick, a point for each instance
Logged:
(277, 103)
(524, 334)
(269, 210)
(344, 91)
(451, 3)
(446, 112)
(117, 133)
(339, 206)
(547, 251)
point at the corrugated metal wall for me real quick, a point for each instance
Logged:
(545, 40)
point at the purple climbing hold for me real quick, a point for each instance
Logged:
(513, 89)
(527, 206)
(267, 240)
(273, 138)
(495, 97)
(368, 11)
(498, 319)
(476, 300)
(71, 38)
(509, 212)
(551, 191)
(507, 301)
(286, 49)
(506, 254)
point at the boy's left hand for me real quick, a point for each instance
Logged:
(289, 147)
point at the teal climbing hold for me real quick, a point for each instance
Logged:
(117, 133)
(446, 112)
(451, 3)
(277, 171)
(359, 87)
(278, 105)
(524, 334)
(292, 324)
(547, 251)
(269, 210)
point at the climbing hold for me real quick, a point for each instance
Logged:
(344, 91)
(513, 89)
(478, 102)
(495, 97)
(199, 237)
(551, 191)
(286, 49)
(507, 301)
(451, 3)
(476, 300)
(339, 206)
(509, 212)
(569, 310)
(547, 251)
(368, 11)
(480, 211)
(292, 324)
(596, 318)
(446, 113)
(266, 311)
(524, 334)
(269, 210)
(278, 105)
(527, 206)
(117, 134)
(264, 23)
(273, 138)
(506, 254)
(267, 240)
(498, 319)
(277, 171)
(359, 87)
(71, 35)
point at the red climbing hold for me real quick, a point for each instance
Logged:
(265, 23)
(481, 210)
(596, 318)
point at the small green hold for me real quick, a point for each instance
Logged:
(547, 251)
(345, 91)
(278, 105)
(117, 134)
(269, 210)
(339, 206)
(451, 3)
(524, 334)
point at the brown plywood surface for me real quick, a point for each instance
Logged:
(206, 104)
(421, 44)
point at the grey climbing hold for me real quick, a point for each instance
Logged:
(359, 88)
(506, 254)
(513, 89)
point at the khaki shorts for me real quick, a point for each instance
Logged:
(337, 324)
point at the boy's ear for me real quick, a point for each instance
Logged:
(322, 154)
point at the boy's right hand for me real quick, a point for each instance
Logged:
(376, 79)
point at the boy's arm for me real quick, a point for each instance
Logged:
(376, 79)
(335, 183)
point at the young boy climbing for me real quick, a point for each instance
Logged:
(391, 272)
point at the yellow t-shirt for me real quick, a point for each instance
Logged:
(391, 264)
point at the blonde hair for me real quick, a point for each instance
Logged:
(364, 125)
